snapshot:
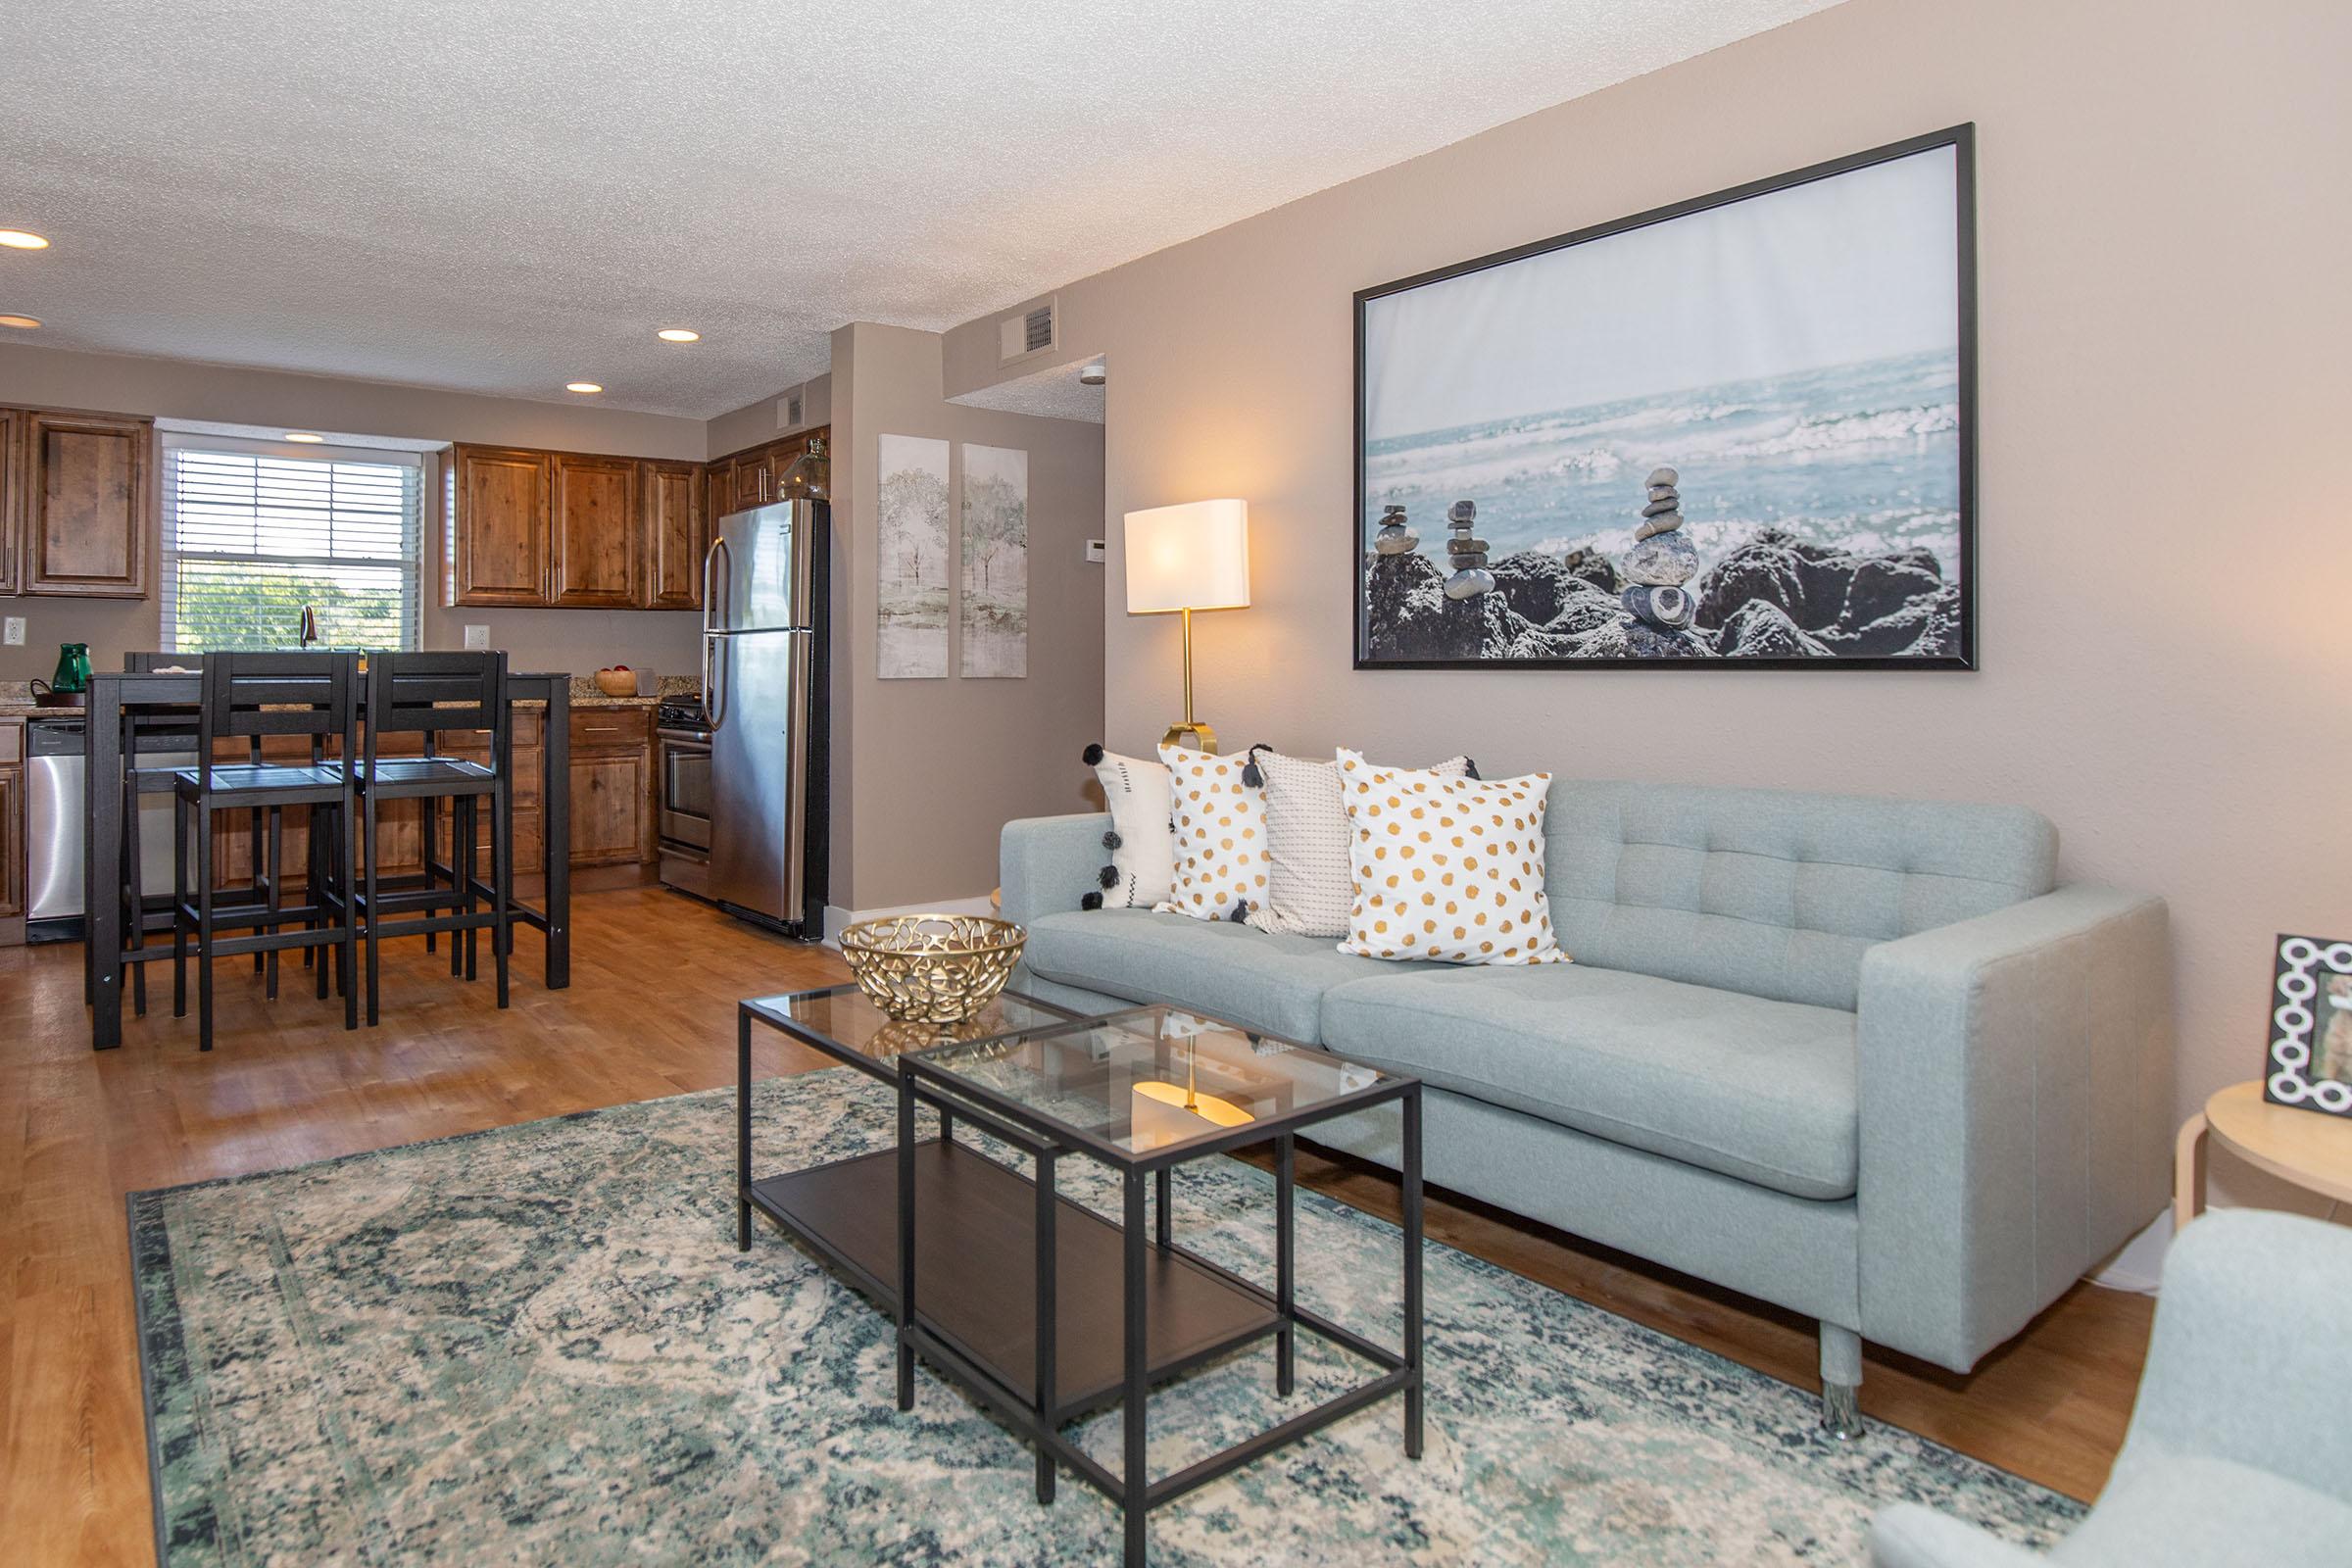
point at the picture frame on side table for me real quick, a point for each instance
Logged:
(2310, 1060)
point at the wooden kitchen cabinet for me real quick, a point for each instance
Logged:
(574, 531)
(749, 482)
(498, 526)
(598, 537)
(11, 459)
(677, 532)
(612, 786)
(11, 832)
(78, 502)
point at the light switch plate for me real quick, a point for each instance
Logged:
(15, 631)
(1098, 551)
(477, 636)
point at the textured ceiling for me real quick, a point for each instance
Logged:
(503, 197)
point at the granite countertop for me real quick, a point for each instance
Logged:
(15, 696)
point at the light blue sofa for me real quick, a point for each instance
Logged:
(2238, 1447)
(1856, 1057)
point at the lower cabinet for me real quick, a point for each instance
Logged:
(612, 786)
(12, 831)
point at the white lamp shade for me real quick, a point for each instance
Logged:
(1189, 557)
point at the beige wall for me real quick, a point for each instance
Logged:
(754, 423)
(926, 771)
(579, 641)
(2164, 567)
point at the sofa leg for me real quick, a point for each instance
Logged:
(1841, 1383)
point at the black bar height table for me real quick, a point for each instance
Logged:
(114, 693)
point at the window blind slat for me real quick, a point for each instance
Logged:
(249, 540)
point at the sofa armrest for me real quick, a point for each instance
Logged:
(2015, 1090)
(1047, 864)
(2252, 1356)
(1908, 1536)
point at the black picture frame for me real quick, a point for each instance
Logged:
(1961, 140)
(2311, 998)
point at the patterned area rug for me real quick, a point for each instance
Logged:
(539, 1345)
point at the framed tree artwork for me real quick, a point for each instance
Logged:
(1739, 431)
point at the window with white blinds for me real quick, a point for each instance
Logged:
(251, 536)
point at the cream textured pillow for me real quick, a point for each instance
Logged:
(1142, 844)
(1308, 887)
(1220, 836)
(1446, 868)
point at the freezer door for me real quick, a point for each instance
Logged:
(759, 770)
(758, 573)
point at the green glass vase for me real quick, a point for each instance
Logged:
(72, 668)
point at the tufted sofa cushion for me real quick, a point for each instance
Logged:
(1772, 893)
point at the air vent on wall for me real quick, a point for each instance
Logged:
(791, 409)
(1026, 333)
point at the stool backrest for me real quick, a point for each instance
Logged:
(252, 695)
(409, 693)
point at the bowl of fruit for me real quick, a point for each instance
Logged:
(619, 681)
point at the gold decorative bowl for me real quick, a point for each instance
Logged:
(932, 968)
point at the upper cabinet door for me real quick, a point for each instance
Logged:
(674, 535)
(597, 558)
(498, 526)
(12, 491)
(750, 484)
(89, 504)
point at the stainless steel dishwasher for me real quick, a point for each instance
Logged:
(53, 822)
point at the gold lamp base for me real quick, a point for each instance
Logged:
(1188, 731)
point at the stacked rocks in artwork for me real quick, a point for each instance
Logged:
(1465, 554)
(1393, 537)
(1661, 561)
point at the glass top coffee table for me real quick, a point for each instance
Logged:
(1045, 1310)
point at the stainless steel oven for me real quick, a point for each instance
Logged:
(685, 788)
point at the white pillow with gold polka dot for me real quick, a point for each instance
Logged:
(1220, 835)
(1446, 868)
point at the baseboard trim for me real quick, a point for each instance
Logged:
(837, 917)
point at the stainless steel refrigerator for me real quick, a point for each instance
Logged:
(765, 591)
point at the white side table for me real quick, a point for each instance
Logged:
(2308, 1147)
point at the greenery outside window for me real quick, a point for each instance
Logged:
(253, 532)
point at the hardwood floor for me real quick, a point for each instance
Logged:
(651, 1012)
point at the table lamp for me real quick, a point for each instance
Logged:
(1195, 556)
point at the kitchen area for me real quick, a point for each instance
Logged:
(721, 562)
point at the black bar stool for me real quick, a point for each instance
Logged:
(250, 696)
(432, 694)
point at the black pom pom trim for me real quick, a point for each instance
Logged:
(1092, 900)
(1470, 768)
(1108, 876)
(1252, 775)
(1111, 841)
(1092, 755)
(1239, 915)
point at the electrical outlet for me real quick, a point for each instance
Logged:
(1098, 551)
(15, 631)
(477, 636)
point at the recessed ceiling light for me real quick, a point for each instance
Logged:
(582, 386)
(678, 334)
(17, 239)
(303, 435)
(24, 323)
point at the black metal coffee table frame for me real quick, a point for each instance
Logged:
(1046, 1411)
(1045, 1353)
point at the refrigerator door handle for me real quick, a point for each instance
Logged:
(714, 617)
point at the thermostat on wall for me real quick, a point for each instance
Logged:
(1098, 551)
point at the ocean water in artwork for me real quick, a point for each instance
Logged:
(1861, 457)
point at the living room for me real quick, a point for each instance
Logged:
(924, 976)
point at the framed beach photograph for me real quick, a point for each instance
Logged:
(1739, 430)
(2310, 1060)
